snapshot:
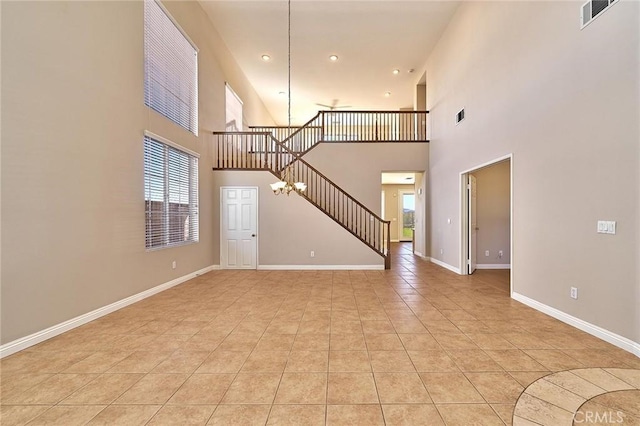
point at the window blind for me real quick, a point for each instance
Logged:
(170, 195)
(171, 69)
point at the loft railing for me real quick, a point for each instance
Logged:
(352, 127)
(261, 151)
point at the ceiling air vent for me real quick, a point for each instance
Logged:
(593, 8)
(460, 116)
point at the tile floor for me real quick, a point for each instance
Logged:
(414, 345)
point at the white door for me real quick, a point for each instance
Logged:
(473, 223)
(239, 228)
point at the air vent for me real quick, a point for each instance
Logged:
(460, 116)
(593, 8)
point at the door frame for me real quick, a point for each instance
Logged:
(257, 221)
(401, 192)
(464, 215)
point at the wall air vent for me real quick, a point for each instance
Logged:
(460, 116)
(592, 9)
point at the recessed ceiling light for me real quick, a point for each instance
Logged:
(387, 94)
(266, 58)
(333, 58)
(396, 71)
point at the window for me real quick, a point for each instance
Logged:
(170, 193)
(170, 68)
(233, 110)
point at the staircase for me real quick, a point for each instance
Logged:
(274, 149)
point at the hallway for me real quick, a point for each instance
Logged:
(414, 345)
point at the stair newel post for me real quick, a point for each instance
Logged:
(387, 258)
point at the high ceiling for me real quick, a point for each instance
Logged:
(370, 38)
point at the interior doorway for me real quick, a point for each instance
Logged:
(487, 216)
(407, 213)
(238, 227)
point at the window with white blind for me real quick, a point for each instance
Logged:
(170, 193)
(170, 68)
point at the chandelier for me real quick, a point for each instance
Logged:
(287, 182)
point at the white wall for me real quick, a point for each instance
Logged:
(564, 101)
(493, 214)
(73, 118)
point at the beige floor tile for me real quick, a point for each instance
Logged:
(394, 388)
(346, 327)
(68, 415)
(391, 361)
(553, 359)
(347, 342)
(252, 388)
(104, 389)
(469, 414)
(454, 341)
(627, 401)
(308, 361)
(490, 341)
(473, 360)
(626, 375)
(536, 410)
(13, 384)
(152, 389)
(125, 415)
(295, 415)
(602, 379)
(354, 415)
(556, 395)
(352, 388)
(98, 362)
(433, 361)
(181, 361)
(349, 361)
(377, 326)
(240, 342)
(525, 378)
(419, 342)
(275, 342)
(450, 388)
(51, 390)
(383, 342)
(223, 362)
(11, 415)
(505, 412)
(140, 362)
(496, 387)
(525, 340)
(578, 385)
(265, 362)
(411, 415)
(182, 415)
(202, 389)
(515, 360)
(315, 327)
(302, 388)
(311, 342)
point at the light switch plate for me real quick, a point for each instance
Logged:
(606, 227)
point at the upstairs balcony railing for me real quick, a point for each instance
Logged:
(352, 127)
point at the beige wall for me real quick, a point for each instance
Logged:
(564, 101)
(73, 118)
(493, 205)
(392, 207)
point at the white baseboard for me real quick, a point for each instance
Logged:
(395, 241)
(422, 256)
(606, 335)
(493, 266)
(40, 336)
(321, 267)
(445, 265)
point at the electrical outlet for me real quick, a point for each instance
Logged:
(500, 254)
(486, 253)
(173, 264)
(313, 253)
(574, 292)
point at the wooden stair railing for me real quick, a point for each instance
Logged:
(261, 151)
(352, 127)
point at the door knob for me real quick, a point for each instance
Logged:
(253, 235)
